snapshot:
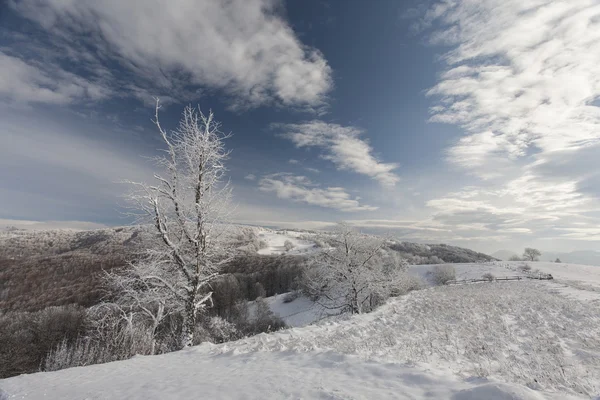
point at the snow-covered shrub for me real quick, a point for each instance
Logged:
(288, 245)
(525, 267)
(222, 330)
(355, 274)
(488, 276)
(26, 338)
(442, 274)
(405, 285)
(113, 340)
(264, 320)
(291, 296)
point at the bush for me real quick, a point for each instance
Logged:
(264, 320)
(525, 267)
(407, 284)
(288, 245)
(291, 296)
(488, 276)
(442, 274)
(26, 338)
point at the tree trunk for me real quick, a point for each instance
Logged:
(189, 322)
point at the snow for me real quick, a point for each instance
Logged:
(275, 241)
(498, 340)
(282, 375)
(300, 312)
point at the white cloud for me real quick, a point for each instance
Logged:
(244, 47)
(523, 81)
(521, 75)
(47, 225)
(343, 146)
(293, 161)
(22, 83)
(301, 189)
(250, 177)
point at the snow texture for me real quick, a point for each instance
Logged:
(281, 375)
(276, 242)
(526, 340)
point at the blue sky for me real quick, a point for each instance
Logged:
(467, 122)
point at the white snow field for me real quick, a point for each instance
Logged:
(192, 374)
(276, 239)
(499, 340)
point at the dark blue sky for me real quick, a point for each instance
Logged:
(438, 121)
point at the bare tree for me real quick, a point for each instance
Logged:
(188, 206)
(353, 272)
(531, 254)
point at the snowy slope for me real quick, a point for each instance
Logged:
(437, 343)
(300, 312)
(282, 375)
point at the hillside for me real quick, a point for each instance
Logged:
(64, 267)
(506, 340)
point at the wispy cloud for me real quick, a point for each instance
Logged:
(24, 83)
(522, 80)
(250, 177)
(242, 47)
(301, 189)
(343, 146)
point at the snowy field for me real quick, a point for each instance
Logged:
(276, 240)
(261, 375)
(494, 340)
(503, 340)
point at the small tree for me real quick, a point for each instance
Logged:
(531, 254)
(288, 245)
(354, 272)
(187, 206)
(557, 260)
(515, 258)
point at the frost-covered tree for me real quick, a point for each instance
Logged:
(531, 254)
(353, 271)
(288, 245)
(188, 205)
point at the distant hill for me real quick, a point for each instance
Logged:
(585, 257)
(504, 254)
(418, 253)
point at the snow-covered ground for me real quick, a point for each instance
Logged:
(192, 374)
(579, 281)
(299, 312)
(500, 340)
(276, 240)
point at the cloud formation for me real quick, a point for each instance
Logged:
(301, 189)
(243, 47)
(522, 79)
(22, 83)
(343, 146)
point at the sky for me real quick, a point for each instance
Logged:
(473, 122)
